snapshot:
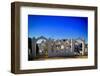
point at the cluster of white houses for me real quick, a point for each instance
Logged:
(48, 47)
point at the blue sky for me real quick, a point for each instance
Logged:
(57, 27)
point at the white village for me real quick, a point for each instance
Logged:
(42, 47)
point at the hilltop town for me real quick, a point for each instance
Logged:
(43, 47)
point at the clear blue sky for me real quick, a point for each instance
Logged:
(57, 27)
